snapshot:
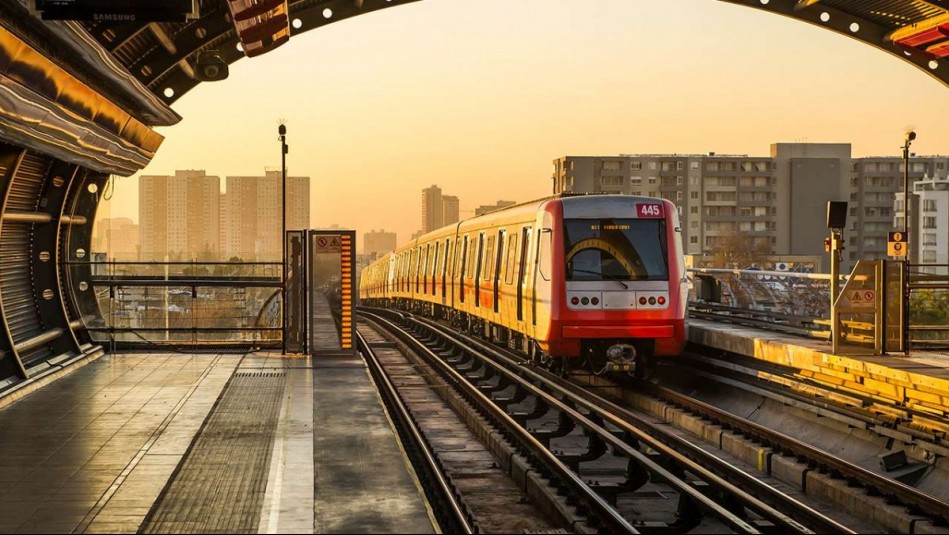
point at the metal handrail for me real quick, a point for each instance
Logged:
(761, 272)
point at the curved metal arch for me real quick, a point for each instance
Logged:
(176, 80)
(852, 18)
(170, 75)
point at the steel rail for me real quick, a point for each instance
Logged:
(598, 506)
(685, 489)
(456, 519)
(904, 493)
(608, 411)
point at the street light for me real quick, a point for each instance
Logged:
(282, 131)
(910, 137)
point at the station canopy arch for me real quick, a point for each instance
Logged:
(162, 55)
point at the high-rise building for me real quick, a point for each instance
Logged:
(778, 201)
(487, 208)
(378, 242)
(438, 210)
(117, 237)
(179, 216)
(929, 231)
(253, 217)
(433, 214)
(450, 209)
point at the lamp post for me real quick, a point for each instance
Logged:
(910, 136)
(282, 131)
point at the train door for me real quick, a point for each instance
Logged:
(461, 271)
(446, 258)
(497, 270)
(427, 256)
(435, 260)
(477, 273)
(507, 289)
(522, 271)
(418, 270)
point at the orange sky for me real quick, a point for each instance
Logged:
(480, 96)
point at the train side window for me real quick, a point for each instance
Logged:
(543, 253)
(511, 254)
(470, 272)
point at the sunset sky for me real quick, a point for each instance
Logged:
(479, 96)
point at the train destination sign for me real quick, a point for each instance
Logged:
(117, 10)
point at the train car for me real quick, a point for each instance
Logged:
(571, 280)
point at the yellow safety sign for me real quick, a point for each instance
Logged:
(896, 248)
(896, 244)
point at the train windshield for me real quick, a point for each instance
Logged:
(615, 249)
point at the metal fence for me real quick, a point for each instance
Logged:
(238, 304)
(799, 303)
(929, 305)
(183, 304)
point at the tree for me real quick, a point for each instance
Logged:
(736, 250)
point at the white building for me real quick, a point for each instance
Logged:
(932, 221)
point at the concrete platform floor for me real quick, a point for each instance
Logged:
(94, 451)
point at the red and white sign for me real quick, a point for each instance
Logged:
(650, 211)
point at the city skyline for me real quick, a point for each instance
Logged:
(390, 114)
(190, 215)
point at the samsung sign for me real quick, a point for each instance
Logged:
(118, 10)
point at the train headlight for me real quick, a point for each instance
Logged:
(575, 300)
(652, 300)
(642, 300)
(595, 301)
(661, 300)
(585, 301)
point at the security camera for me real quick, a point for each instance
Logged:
(210, 66)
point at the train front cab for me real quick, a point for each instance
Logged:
(622, 299)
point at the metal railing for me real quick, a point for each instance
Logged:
(800, 302)
(929, 305)
(181, 304)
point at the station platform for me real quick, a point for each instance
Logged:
(185, 443)
(919, 381)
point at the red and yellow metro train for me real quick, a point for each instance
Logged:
(571, 280)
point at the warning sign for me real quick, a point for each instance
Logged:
(327, 244)
(861, 298)
(896, 248)
(896, 245)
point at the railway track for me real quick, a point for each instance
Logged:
(450, 512)
(626, 473)
(464, 477)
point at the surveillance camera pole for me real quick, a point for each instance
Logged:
(282, 130)
(910, 136)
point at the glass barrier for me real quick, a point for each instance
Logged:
(175, 304)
